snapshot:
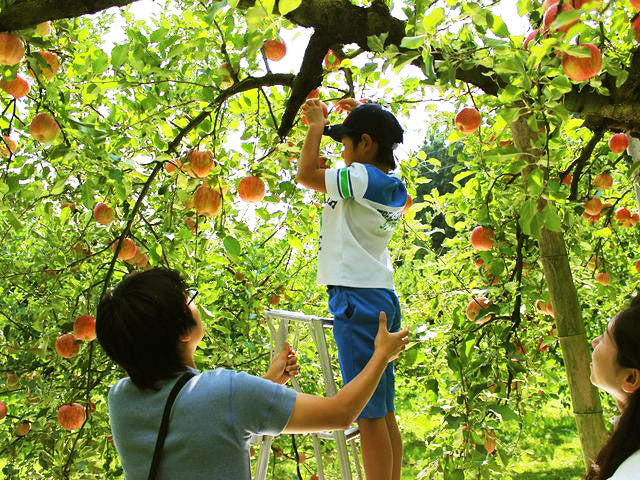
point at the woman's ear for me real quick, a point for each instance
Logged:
(631, 380)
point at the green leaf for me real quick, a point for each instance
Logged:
(412, 42)
(286, 6)
(497, 26)
(431, 21)
(527, 212)
(376, 43)
(535, 184)
(504, 411)
(551, 219)
(119, 54)
(232, 246)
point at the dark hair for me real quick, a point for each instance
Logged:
(139, 324)
(625, 439)
(385, 153)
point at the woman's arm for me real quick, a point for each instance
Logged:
(312, 413)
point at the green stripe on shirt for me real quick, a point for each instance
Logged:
(344, 183)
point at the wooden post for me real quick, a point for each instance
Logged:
(568, 316)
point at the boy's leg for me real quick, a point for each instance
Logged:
(377, 449)
(396, 444)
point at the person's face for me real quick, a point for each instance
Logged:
(605, 371)
(348, 152)
(197, 333)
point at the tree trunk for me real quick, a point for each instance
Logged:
(568, 317)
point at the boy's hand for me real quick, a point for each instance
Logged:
(313, 111)
(390, 344)
(283, 367)
(346, 105)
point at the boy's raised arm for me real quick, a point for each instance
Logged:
(310, 172)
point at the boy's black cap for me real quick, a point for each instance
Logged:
(369, 118)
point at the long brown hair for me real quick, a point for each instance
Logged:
(625, 439)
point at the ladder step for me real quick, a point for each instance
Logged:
(350, 433)
(299, 317)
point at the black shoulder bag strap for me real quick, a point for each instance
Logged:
(164, 426)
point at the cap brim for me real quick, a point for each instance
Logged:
(335, 131)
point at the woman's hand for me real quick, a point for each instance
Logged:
(283, 367)
(390, 344)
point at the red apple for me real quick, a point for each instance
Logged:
(315, 93)
(102, 213)
(544, 308)
(11, 49)
(580, 69)
(468, 120)
(207, 201)
(482, 238)
(619, 142)
(407, 204)
(548, 3)
(8, 146)
(43, 29)
(173, 165)
(67, 346)
(623, 215)
(201, 162)
(274, 299)
(490, 442)
(638, 266)
(635, 4)
(530, 37)
(552, 12)
(581, 3)
(603, 278)
(591, 218)
(140, 260)
(635, 24)
(251, 189)
(331, 61)
(128, 250)
(23, 428)
(52, 65)
(17, 88)
(71, 416)
(84, 327)
(3, 410)
(44, 128)
(635, 218)
(603, 181)
(475, 306)
(593, 206)
(274, 49)
(567, 179)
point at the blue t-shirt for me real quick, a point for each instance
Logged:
(212, 420)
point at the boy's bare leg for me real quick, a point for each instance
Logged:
(396, 444)
(377, 451)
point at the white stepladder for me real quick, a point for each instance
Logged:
(278, 338)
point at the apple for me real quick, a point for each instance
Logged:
(541, 346)
(331, 61)
(603, 278)
(80, 249)
(633, 221)
(44, 128)
(23, 428)
(226, 77)
(140, 259)
(603, 181)
(580, 69)
(12, 379)
(191, 224)
(591, 218)
(619, 142)
(274, 299)
(102, 213)
(530, 37)
(593, 206)
(128, 250)
(544, 308)
(548, 3)
(475, 306)
(66, 345)
(43, 29)
(490, 442)
(635, 4)
(552, 12)
(407, 204)
(635, 24)
(3, 410)
(315, 93)
(623, 215)
(567, 179)
(637, 266)
(52, 62)
(201, 162)
(274, 49)
(520, 348)
(71, 416)
(17, 88)
(581, 3)
(482, 239)
(207, 201)
(173, 165)
(251, 189)
(301, 457)
(8, 146)
(468, 120)
(11, 49)
(325, 112)
(84, 327)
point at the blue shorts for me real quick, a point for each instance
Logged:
(355, 326)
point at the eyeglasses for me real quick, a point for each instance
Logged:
(193, 293)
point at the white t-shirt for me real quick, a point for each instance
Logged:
(629, 469)
(359, 217)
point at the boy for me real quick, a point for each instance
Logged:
(363, 208)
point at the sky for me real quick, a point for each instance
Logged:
(297, 39)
